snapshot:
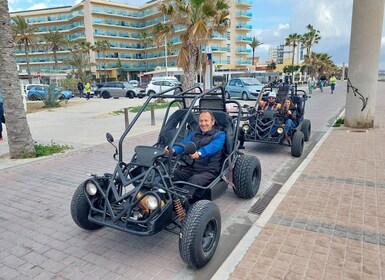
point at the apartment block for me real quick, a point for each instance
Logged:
(122, 25)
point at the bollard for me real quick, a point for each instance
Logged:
(126, 120)
(152, 114)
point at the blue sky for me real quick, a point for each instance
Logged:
(274, 20)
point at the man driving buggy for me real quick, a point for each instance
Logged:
(208, 156)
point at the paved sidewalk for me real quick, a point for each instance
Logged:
(327, 221)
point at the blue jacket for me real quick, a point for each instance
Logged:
(210, 149)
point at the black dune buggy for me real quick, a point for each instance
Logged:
(140, 196)
(267, 126)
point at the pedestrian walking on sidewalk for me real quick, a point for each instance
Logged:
(2, 119)
(80, 89)
(322, 82)
(88, 90)
(310, 84)
(333, 81)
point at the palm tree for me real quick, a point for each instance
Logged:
(86, 47)
(19, 136)
(254, 44)
(79, 62)
(293, 39)
(145, 40)
(23, 37)
(310, 38)
(201, 18)
(54, 40)
(101, 47)
(271, 66)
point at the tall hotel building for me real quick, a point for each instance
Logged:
(121, 25)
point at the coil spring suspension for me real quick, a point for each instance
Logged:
(179, 209)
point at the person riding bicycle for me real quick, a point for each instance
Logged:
(208, 156)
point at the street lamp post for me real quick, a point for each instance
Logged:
(165, 48)
(165, 41)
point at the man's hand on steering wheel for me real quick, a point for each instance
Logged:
(168, 151)
(194, 155)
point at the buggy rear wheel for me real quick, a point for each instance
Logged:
(297, 144)
(80, 209)
(200, 232)
(247, 176)
(306, 129)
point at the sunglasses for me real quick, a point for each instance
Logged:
(271, 97)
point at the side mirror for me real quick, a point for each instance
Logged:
(190, 148)
(109, 137)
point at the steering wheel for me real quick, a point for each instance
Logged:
(183, 159)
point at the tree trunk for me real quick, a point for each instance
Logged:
(19, 136)
(26, 49)
(253, 57)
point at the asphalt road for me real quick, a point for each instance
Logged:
(83, 125)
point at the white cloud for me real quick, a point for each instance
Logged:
(38, 6)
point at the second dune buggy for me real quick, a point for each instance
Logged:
(268, 126)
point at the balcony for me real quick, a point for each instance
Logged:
(243, 51)
(244, 3)
(244, 39)
(244, 26)
(219, 49)
(244, 14)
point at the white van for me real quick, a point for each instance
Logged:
(158, 85)
(165, 78)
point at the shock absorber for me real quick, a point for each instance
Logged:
(179, 208)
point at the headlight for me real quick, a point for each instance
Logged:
(280, 130)
(151, 202)
(245, 127)
(91, 188)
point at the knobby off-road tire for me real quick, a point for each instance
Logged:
(297, 143)
(247, 176)
(200, 232)
(80, 209)
(306, 129)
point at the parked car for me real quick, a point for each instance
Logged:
(165, 78)
(120, 89)
(135, 83)
(29, 86)
(245, 88)
(98, 91)
(39, 92)
(157, 86)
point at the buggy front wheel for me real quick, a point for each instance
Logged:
(200, 232)
(247, 176)
(297, 140)
(80, 209)
(306, 129)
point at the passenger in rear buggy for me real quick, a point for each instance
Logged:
(208, 157)
(290, 116)
(271, 103)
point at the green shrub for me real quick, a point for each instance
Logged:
(45, 150)
(52, 98)
(338, 122)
